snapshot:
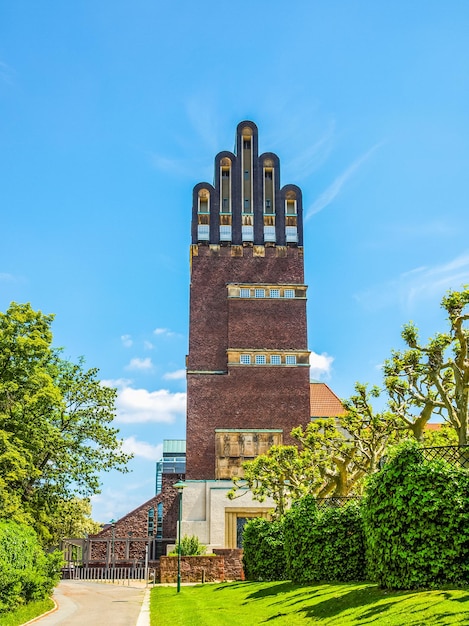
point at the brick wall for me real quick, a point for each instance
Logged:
(126, 546)
(225, 565)
(242, 396)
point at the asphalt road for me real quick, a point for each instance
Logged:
(98, 604)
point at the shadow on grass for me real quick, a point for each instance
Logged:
(374, 602)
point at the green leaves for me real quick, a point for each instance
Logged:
(55, 422)
(416, 516)
(433, 379)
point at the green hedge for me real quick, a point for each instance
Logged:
(324, 545)
(416, 516)
(263, 553)
(26, 572)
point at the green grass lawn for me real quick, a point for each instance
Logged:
(26, 613)
(247, 604)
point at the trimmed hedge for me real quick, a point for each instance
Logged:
(324, 545)
(416, 516)
(263, 552)
(26, 572)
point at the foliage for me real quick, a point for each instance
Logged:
(334, 457)
(324, 545)
(284, 474)
(72, 518)
(433, 379)
(55, 423)
(349, 447)
(443, 436)
(416, 516)
(26, 572)
(288, 604)
(263, 553)
(190, 546)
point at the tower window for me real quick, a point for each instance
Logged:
(225, 173)
(246, 204)
(245, 359)
(274, 293)
(290, 359)
(246, 144)
(268, 204)
(268, 174)
(246, 174)
(289, 293)
(226, 204)
(260, 359)
(244, 293)
(275, 359)
(259, 293)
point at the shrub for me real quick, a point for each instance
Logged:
(416, 518)
(190, 546)
(324, 545)
(263, 553)
(26, 572)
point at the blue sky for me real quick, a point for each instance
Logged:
(111, 111)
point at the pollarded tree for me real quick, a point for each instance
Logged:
(334, 455)
(354, 442)
(283, 473)
(55, 415)
(434, 378)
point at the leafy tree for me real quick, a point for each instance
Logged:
(284, 474)
(55, 421)
(350, 446)
(433, 379)
(334, 457)
(72, 518)
(444, 436)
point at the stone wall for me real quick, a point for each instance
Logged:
(223, 566)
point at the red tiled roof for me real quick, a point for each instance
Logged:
(324, 402)
(433, 426)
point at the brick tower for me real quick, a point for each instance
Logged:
(248, 361)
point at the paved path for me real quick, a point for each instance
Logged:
(85, 603)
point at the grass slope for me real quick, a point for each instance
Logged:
(284, 603)
(26, 613)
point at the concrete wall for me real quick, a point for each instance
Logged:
(204, 509)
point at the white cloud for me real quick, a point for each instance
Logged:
(335, 188)
(127, 341)
(6, 278)
(321, 365)
(142, 449)
(140, 364)
(142, 406)
(163, 331)
(177, 375)
(418, 284)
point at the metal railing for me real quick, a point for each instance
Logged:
(114, 575)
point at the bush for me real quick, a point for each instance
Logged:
(26, 572)
(416, 518)
(263, 553)
(190, 546)
(326, 545)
